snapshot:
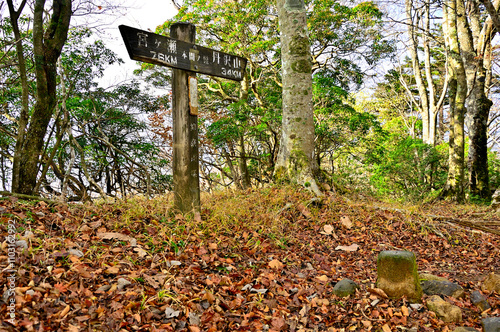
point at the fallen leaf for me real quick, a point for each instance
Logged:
(346, 221)
(115, 236)
(323, 278)
(378, 292)
(405, 311)
(327, 230)
(141, 252)
(113, 269)
(386, 328)
(64, 312)
(171, 313)
(212, 246)
(352, 247)
(275, 264)
(83, 270)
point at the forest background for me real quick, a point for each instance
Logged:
(404, 100)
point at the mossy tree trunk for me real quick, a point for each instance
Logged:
(475, 42)
(296, 160)
(48, 41)
(454, 188)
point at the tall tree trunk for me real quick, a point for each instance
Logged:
(24, 116)
(47, 46)
(479, 104)
(454, 188)
(296, 155)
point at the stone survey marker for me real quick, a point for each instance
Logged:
(149, 47)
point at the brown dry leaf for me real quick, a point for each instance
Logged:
(275, 264)
(277, 323)
(378, 292)
(209, 297)
(405, 311)
(73, 328)
(114, 236)
(197, 217)
(113, 269)
(141, 252)
(346, 221)
(366, 323)
(327, 230)
(194, 328)
(64, 312)
(352, 247)
(304, 211)
(386, 328)
(322, 278)
(212, 246)
(82, 270)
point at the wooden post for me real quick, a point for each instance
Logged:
(185, 131)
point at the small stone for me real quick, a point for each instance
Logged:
(122, 283)
(465, 329)
(439, 287)
(301, 275)
(309, 266)
(444, 310)
(22, 244)
(76, 252)
(479, 300)
(491, 283)
(345, 287)
(491, 324)
(40, 214)
(294, 290)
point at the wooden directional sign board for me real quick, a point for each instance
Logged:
(160, 50)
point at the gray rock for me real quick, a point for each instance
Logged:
(397, 275)
(479, 300)
(491, 324)
(491, 283)
(465, 329)
(76, 252)
(439, 287)
(345, 287)
(122, 283)
(444, 310)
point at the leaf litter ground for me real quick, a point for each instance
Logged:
(257, 260)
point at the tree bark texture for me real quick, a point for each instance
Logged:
(296, 155)
(454, 188)
(47, 46)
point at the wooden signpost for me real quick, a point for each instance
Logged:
(179, 52)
